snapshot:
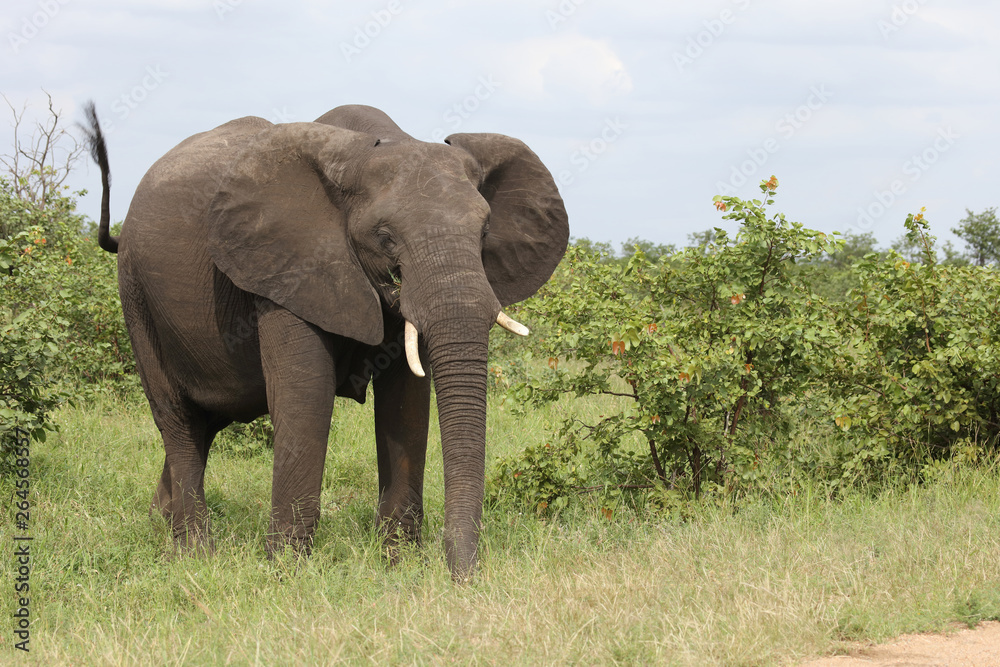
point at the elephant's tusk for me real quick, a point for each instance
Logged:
(412, 355)
(512, 326)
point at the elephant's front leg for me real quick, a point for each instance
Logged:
(402, 402)
(297, 359)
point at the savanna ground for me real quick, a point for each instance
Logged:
(969, 647)
(771, 580)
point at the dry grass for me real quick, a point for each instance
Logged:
(764, 583)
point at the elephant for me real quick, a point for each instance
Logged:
(267, 268)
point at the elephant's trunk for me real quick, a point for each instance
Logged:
(446, 295)
(453, 312)
(459, 367)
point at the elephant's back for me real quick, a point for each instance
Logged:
(177, 189)
(163, 237)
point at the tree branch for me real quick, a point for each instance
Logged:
(40, 163)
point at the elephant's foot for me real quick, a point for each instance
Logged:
(398, 533)
(160, 507)
(278, 540)
(193, 542)
(187, 540)
(162, 497)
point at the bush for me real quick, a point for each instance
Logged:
(712, 345)
(32, 337)
(61, 330)
(69, 267)
(245, 440)
(723, 350)
(918, 369)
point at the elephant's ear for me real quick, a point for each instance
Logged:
(278, 230)
(529, 228)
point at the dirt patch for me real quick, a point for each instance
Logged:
(979, 647)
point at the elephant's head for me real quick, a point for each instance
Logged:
(348, 220)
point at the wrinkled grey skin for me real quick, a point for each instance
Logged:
(268, 268)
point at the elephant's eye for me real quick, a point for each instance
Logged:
(386, 241)
(486, 227)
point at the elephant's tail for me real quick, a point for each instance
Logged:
(99, 152)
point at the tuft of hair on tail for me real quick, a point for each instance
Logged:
(99, 153)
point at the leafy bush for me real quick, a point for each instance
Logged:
(245, 440)
(722, 351)
(61, 330)
(918, 369)
(69, 266)
(32, 337)
(711, 345)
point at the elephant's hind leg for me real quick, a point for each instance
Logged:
(180, 494)
(190, 444)
(185, 428)
(297, 358)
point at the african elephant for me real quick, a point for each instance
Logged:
(268, 268)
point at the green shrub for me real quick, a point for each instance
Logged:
(712, 345)
(737, 375)
(245, 440)
(62, 335)
(69, 266)
(32, 338)
(918, 369)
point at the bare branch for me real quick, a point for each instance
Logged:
(41, 158)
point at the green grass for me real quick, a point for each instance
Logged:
(771, 581)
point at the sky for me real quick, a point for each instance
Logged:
(865, 110)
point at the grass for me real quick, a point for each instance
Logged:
(772, 581)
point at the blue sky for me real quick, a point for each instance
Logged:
(643, 111)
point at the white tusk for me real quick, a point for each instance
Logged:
(412, 355)
(512, 326)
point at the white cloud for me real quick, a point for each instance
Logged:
(570, 67)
